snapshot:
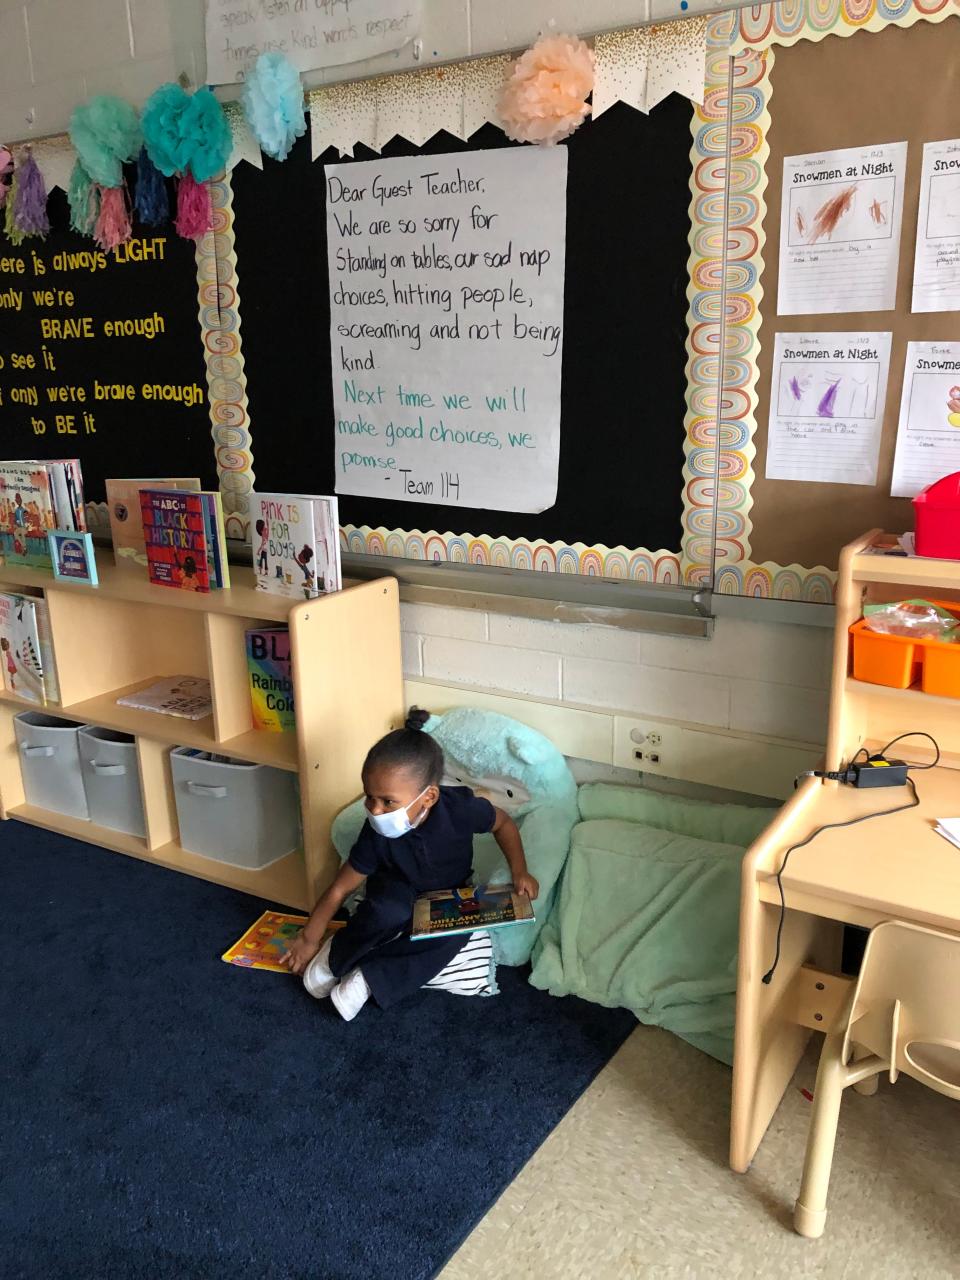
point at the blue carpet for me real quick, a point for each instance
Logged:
(166, 1115)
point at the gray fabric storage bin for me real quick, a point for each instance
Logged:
(237, 812)
(50, 763)
(111, 778)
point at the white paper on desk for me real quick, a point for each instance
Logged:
(928, 436)
(826, 406)
(949, 828)
(840, 220)
(936, 270)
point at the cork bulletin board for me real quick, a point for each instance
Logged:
(887, 86)
(813, 76)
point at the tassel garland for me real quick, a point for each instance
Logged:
(194, 208)
(12, 232)
(84, 201)
(30, 202)
(152, 205)
(6, 172)
(113, 223)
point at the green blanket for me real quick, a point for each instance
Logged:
(647, 916)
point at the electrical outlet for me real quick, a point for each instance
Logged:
(643, 744)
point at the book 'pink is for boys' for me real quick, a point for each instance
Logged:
(296, 544)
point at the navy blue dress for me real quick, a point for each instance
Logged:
(436, 855)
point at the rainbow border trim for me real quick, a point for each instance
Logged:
(219, 301)
(514, 553)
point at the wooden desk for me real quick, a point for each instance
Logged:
(893, 867)
(888, 868)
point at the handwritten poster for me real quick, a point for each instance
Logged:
(936, 271)
(840, 221)
(928, 435)
(311, 33)
(826, 406)
(446, 311)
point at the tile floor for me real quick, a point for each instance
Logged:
(634, 1182)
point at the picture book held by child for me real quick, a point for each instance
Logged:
(418, 839)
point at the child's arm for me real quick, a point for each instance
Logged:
(306, 945)
(507, 835)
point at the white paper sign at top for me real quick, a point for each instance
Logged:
(936, 271)
(840, 220)
(826, 406)
(446, 326)
(311, 33)
(928, 436)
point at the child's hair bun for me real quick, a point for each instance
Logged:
(416, 718)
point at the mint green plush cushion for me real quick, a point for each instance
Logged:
(647, 916)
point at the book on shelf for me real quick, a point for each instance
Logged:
(174, 530)
(37, 496)
(185, 696)
(26, 652)
(451, 911)
(296, 544)
(126, 519)
(216, 532)
(27, 513)
(271, 681)
(267, 940)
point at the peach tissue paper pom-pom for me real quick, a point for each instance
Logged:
(544, 94)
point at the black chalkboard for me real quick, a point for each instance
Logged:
(139, 308)
(624, 356)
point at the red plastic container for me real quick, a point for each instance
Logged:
(937, 515)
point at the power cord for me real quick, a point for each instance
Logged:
(874, 771)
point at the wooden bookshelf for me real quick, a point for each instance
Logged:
(126, 633)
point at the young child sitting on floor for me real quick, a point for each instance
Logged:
(418, 838)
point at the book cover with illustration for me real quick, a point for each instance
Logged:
(296, 544)
(126, 520)
(271, 682)
(21, 651)
(452, 911)
(185, 696)
(265, 943)
(174, 531)
(27, 513)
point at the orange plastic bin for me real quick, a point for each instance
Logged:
(891, 660)
(901, 662)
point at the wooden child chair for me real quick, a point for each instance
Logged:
(904, 1015)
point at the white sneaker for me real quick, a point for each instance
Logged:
(317, 978)
(350, 995)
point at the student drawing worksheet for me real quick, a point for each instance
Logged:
(840, 230)
(826, 406)
(936, 271)
(928, 436)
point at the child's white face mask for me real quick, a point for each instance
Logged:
(397, 822)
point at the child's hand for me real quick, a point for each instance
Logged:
(299, 953)
(527, 885)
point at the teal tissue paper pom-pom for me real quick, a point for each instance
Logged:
(105, 132)
(207, 137)
(163, 134)
(273, 104)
